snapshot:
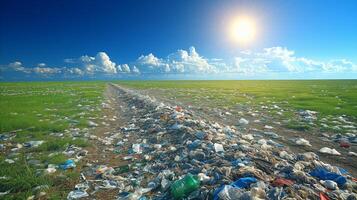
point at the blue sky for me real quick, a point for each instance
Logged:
(176, 40)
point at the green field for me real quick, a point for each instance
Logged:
(325, 96)
(46, 111)
(52, 111)
(330, 98)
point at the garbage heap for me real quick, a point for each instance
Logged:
(169, 153)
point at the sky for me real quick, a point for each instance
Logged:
(167, 39)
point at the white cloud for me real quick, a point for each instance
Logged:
(75, 71)
(281, 59)
(150, 63)
(181, 61)
(274, 60)
(101, 63)
(125, 68)
(105, 64)
(249, 66)
(41, 65)
(339, 66)
(135, 70)
(17, 66)
(46, 70)
(189, 62)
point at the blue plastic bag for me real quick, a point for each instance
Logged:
(67, 165)
(244, 182)
(324, 174)
(240, 183)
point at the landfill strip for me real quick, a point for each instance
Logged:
(167, 152)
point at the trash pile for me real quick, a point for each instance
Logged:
(308, 115)
(168, 153)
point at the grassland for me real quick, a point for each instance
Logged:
(49, 112)
(324, 96)
(330, 98)
(53, 111)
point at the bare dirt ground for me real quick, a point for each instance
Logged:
(115, 115)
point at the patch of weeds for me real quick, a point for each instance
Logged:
(56, 159)
(80, 142)
(52, 145)
(21, 179)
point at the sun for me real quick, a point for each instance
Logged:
(243, 29)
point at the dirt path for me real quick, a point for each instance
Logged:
(129, 119)
(104, 151)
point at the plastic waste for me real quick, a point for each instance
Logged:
(218, 147)
(184, 186)
(92, 124)
(324, 174)
(121, 169)
(77, 194)
(50, 170)
(193, 145)
(276, 193)
(243, 121)
(10, 161)
(302, 142)
(203, 177)
(244, 182)
(345, 144)
(67, 165)
(280, 182)
(351, 153)
(101, 169)
(323, 196)
(330, 151)
(109, 184)
(33, 143)
(229, 192)
(234, 190)
(268, 127)
(200, 135)
(137, 148)
(332, 185)
(248, 137)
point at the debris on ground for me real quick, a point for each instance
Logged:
(166, 152)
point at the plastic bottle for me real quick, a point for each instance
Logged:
(185, 186)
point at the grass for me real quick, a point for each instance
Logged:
(330, 98)
(320, 95)
(39, 111)
(42, 110)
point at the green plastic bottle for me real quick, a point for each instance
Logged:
(184, 186)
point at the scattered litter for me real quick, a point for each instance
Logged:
(167, 152)
(330, 151)
(33, 143)
(329, 184)
(69, 164)
(268, 127)
(351, 153)
(77, 194)
(184, 186)
(324, 174)
(137, 148)
(243, 121)
(92, 124)
(10, 161)
(218, 148)
(302, 142)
